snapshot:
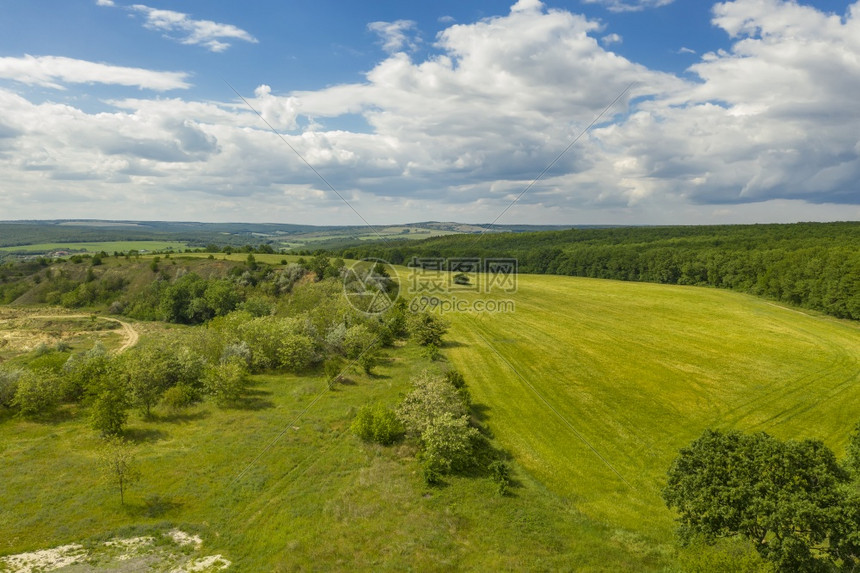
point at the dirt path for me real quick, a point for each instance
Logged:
(131, 335)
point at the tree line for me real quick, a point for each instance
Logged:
(811, 265)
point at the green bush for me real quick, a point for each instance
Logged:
(226, 382)
(377, 424)
(447, 442)
(8, 386)
(36, 394)
(179, 397)
(501, 476)
(426, 328)
(109, 409)
(296, 352)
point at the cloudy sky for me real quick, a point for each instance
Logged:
(734, 112)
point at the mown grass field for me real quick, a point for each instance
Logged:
(595, 385)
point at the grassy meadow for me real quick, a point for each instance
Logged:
(318, 499)
(591, 387)
(594, 385)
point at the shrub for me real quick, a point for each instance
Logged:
(357, 340)
(226, 382)
(431, 352)
(377, 424)
(447, 442)
(334, 368)
(369, 360)
(296, 352)
(426, 328)
(109, 411)
(8, 386)
(237, 351)
(179, 397)
(36, 394)
(501, 476)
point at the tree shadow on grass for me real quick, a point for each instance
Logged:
(253, 399)
(181, 417)
(453, 344)
(144, 435)
(153, 506)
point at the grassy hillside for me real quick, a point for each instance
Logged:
(591, 386)
(595, 385)
(319, 499)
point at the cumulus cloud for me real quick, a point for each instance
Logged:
(186, 30)
(395, 36)
(52, 71)
(107, 3)
(768, 124)
(610, 39)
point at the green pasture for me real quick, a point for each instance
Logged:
(594, 385)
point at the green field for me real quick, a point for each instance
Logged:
(96, 247)
(319, 499)
(635, 370)
(638, 371)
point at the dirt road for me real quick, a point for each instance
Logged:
(131, 335)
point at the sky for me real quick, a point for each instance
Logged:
(569, 112)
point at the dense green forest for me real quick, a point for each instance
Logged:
(812, 265)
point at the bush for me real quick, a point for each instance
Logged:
(334, 368)
(226, 382)
(237, 351)
(296, 352)
(447, 442)
(8, 386)
(179, 397)
(369, 360)
(377, 424)
(357, 340)
(431, 397)
(109, 411)
(501, 476)
(437, 415)
(36, 394)
(431, 352)
(426, 328)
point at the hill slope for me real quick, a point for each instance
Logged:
(595, 385)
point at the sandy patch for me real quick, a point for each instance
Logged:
(45, 559)
(208, 563)
(181, 538)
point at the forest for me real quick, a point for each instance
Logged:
(810, 265)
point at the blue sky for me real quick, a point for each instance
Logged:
(741, 111)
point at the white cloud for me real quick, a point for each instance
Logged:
(186, 30)
(767, 132)
(610, 39)
(686, 50)
(53, 71)
(629, 5)
(395, 36)
(108, 3)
